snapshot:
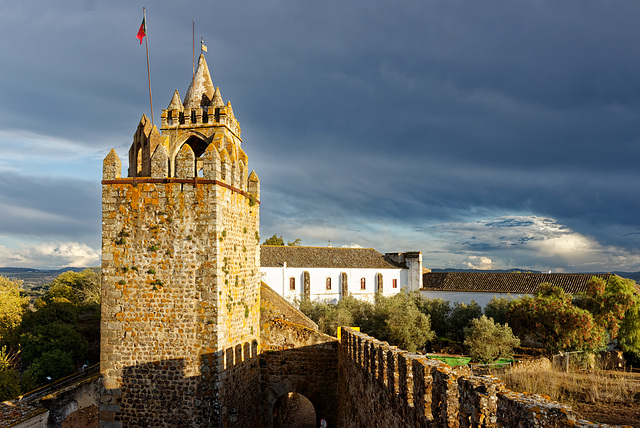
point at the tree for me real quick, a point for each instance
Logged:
(608, 301)
(54, 364)
(79, 288)
(12, 306)
(460, 317)
(551, 319)
(9, 376)
(398, 321)
(279, 242)
(497, 308)
(488, 341)
(438, 311)
(274, 240)
(47, 338)
(629, 334)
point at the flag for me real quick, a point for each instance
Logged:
(142, 31)
(203, 47)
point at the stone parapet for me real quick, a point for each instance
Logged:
(381, 385)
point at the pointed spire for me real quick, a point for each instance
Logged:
(201, 90)
(217, 99)
(175, 103)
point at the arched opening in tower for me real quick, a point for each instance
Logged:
(293, 410)
(198, 145)
(138, 160)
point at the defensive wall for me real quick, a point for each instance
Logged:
(295, 358)
(381, 385)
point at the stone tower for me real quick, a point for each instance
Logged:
(180, 271)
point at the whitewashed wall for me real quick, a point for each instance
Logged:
(466, 297)
(278, 279)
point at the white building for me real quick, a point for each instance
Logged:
(329, 274)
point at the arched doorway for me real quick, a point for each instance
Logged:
(198, 145)
(293, 410)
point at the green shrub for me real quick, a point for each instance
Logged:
(488, 341)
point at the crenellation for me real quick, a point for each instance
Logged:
(111, 168)
(185, 162)
(160, 163)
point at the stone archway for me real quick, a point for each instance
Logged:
(293, 410)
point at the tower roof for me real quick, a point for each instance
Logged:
(201, 89)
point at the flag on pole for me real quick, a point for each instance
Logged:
(142, 31)
(203, 47)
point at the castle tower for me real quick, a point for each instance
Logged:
(180, 271)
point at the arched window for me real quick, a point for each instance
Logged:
(363, 284)
(328, 283)
(292, 283)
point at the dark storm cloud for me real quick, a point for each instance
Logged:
(410, 113)
(48, 207)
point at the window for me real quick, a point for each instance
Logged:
(328, 283)
(395, 283)
(363, 284)
(292, 283)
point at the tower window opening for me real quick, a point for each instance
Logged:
(292, 283)
(198, 145)
(170, 118)
(193, 116)
(205, 116)
(181, 118)
(217, 114)
(139, 161)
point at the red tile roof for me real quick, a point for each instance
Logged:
(323, 257)
(498, 282)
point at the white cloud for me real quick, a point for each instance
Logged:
(479, 262)
(531, 242)
(52, 255)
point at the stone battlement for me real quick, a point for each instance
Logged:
(404, 389)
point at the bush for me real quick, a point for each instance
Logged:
(461, 316)
(551, 319)
(55, 364)
(488, 341)
(394, 319)
(497, 308)
(438, 311)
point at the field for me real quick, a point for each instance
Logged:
(611, 397)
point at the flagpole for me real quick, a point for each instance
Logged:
(193, 49)
(146, 43)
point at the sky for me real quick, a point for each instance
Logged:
(485, 134)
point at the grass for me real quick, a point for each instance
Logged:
(571, 388)
(452, 361)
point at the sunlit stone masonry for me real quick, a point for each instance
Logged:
(180, 270)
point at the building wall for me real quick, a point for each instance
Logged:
(466, 297)
(279, 279)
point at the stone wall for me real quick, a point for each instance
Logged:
(381, 385)
(299, 359)
(180, 299)
(274, 306)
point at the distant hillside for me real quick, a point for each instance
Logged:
(33, 278)
(488, 270)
